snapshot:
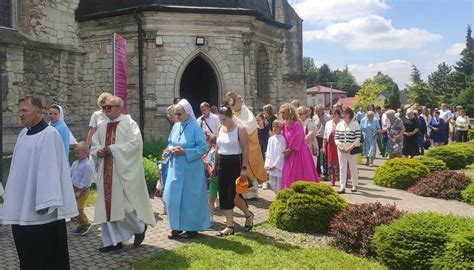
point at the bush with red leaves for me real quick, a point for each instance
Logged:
(442, 185)
(353, 228)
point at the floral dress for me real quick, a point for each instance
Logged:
(394, 130)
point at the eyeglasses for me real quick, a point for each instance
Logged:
(109, 107)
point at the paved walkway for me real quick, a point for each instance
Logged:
(84, 253)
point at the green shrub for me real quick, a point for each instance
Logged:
(458, 253)
(453, 158)
(400, 173)
(465, 148)
(154, 148)
(151, 173)
(305, 207)
(432, 163)
(415, 240)
(467, 195)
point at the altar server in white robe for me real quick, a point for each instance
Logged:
(39, 195)
(123, 204)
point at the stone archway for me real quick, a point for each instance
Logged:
(199, 83)
(263, 77)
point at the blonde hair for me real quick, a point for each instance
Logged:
(102, 98)
(290, 109)
(82, 146)
(277, 123)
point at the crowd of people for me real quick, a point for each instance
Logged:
(220, 158)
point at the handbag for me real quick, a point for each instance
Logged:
(356, 150)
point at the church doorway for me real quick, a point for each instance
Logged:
(199, 84)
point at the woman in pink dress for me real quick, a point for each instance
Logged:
(299, 165)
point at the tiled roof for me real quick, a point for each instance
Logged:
(93, 9)
(323, 89)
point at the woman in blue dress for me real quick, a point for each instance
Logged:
(54, 116)
(370, 127)
(185, 193)
(438, 129)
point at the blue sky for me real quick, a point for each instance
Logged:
(387, 36)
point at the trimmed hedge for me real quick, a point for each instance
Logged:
(305, 207)
(467, 195)
(154, 148)
(353, 228)
(432, 163)
(465, 148)
(151, 173)
(400, 173)
(442, 185)
(414, 241)
(459, 252)
(453, 158)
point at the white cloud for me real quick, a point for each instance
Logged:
(324, 11)
(455, 49)
(399, 70)
(373, 32)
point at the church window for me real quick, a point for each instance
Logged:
(5, 13)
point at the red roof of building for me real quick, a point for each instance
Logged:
(323, 89)
(347, 101)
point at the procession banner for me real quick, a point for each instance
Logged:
(119, 64)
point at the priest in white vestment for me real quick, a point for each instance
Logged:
(39, 195)
(123, 204)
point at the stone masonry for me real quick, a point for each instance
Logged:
(48, 52)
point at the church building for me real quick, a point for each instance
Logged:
(194, 49)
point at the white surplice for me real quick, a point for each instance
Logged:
(130, 207)
(39, 178)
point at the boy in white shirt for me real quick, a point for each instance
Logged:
(274, 159)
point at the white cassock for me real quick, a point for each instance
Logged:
(129, 207)
(39, 178)
(275, 158)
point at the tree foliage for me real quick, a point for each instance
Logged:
(323, 75)
(418, 90)
(369, 94)
(392, 91)
(310, 71)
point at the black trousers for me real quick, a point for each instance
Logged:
(42, 246)
(228, 169)
(461, 135)
(322, 159)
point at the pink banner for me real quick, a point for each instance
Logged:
(120, 69)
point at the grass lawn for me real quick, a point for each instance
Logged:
(92, 196)
(252, 251)
(6, 169)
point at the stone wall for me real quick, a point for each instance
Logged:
(231, 50)
(40, 55)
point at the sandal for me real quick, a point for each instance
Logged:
(229, 232)
(188, 234)
(174, 234)
(249, 227)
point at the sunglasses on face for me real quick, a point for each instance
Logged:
(109, 107)
(178, 114)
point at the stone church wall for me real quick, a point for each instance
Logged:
(48, 53)
(40, 55)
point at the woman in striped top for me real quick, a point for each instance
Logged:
(347, 138)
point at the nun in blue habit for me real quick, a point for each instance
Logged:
(56, 120)
(185, 193)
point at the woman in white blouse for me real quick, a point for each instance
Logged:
(462, 126)
(347, 140)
